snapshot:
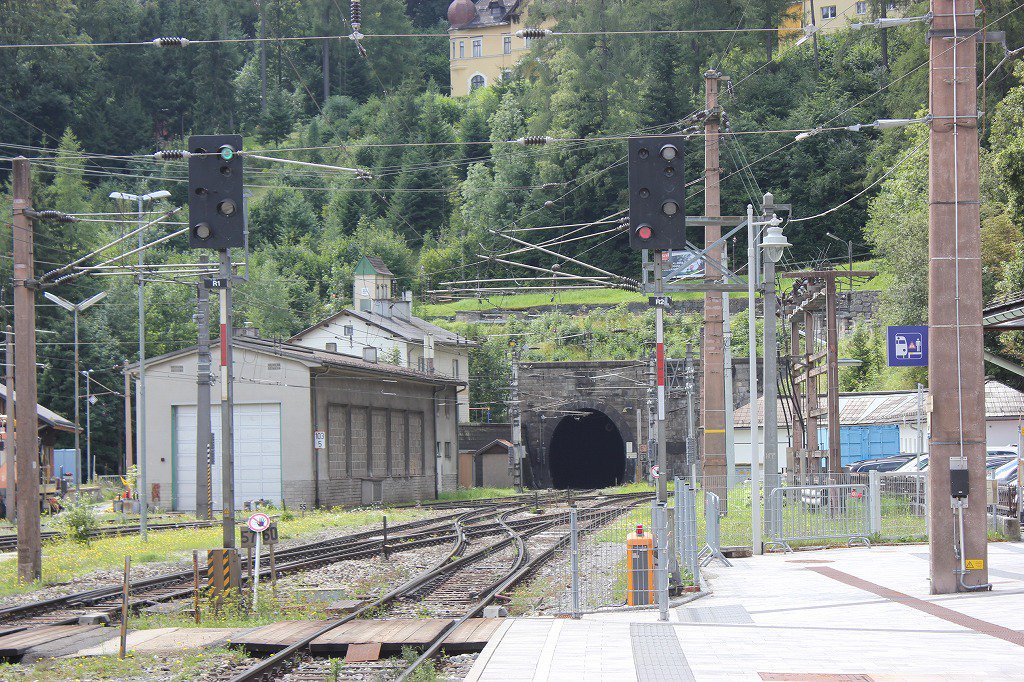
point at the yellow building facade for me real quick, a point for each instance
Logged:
(483, 47)
(834, 15)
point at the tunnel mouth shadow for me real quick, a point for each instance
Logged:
(587, 451)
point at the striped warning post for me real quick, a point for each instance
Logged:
(222, 570)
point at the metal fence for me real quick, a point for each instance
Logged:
(899, 505)
(597, 568)
(811, 513)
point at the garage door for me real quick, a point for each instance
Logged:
(257, 454)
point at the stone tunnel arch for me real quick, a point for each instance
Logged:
(588, 449)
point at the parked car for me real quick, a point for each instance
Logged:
(1007, 473)
(879, 464)
(994, 459)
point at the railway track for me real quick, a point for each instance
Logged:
(104, 603)
(458, 587)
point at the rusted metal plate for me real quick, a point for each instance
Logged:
(363, 652)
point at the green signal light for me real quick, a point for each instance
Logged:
(227, 152)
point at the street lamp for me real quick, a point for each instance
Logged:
(76, 308)
(141, 199)
(773, 244)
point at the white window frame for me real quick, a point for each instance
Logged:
(478, 47)
(861, 7)
(828, 12)
(470, 81)
(462, 49)
(506, 43)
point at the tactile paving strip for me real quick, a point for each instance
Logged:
(657, 655)
(982, 626)
(722, 615)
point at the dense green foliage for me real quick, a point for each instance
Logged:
(444, 179)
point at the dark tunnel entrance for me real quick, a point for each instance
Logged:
(587, 451)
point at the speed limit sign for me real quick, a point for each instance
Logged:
(655, 471)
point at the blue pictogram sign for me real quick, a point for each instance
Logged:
(908, 346)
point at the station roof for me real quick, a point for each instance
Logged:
(47, 417)
(892, 407)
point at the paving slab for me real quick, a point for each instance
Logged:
(842, 615)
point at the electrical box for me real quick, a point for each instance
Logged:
(958, 480)
(640, 568)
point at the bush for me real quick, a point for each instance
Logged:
(78, 520)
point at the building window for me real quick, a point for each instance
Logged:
(477, 81)
(447, 450)
(455, 368)
(507, 44)
(862, 7)
(453, 49)
(527, 43)
(828, 12)
(478, 47)
(347, 330)
(462, 49)
(333, 347)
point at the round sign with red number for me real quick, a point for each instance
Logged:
(258, 522)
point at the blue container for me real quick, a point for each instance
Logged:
(865, 442)
(64, 460)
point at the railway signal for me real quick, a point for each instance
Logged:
(657, 193)
(215, 192)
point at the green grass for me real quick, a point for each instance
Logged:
(475, 494)
(235, 611)
(64, 560)
(609, 297)
(184, 666)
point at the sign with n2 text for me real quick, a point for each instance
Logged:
(908, 346)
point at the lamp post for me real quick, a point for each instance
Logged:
(76, 308)
(141, 485)
(773, 244)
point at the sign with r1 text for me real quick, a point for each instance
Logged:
(908, 346)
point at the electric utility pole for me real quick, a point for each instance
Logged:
(712, 403)
(30, 555)
(12, 508)
(956, 370)
(516, 417)
(204, 380)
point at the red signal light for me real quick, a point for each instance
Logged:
(644, 232)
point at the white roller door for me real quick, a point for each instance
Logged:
(257, 454)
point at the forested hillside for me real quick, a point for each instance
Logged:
(445, 176)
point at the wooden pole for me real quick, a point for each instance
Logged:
(384, 541)
(30, 556)
(124, 607)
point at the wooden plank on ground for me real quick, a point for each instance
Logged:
(472, 635)
(17, 643)
(277, 636)
(392, 635)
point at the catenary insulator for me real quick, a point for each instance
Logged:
(171, 155)
(533, 33)
(535, 140)
(170, 41)
(56, 216)
(356, 14)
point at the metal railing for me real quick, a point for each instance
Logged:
(811, 513)
(687, 540)
(713, 546)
